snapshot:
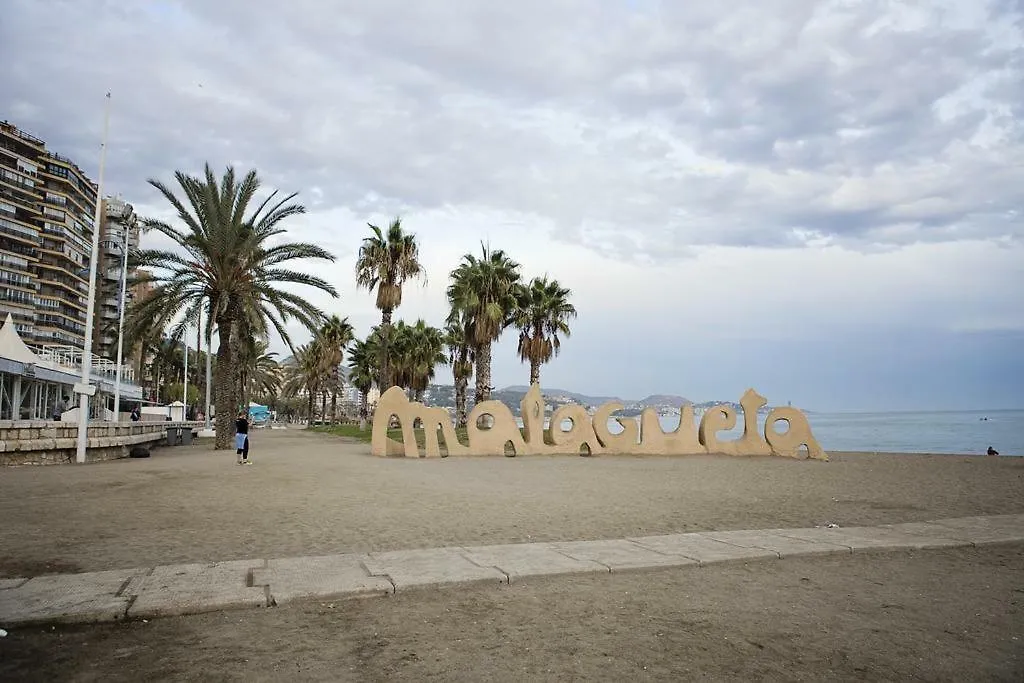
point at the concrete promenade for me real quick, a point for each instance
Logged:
(194, 588)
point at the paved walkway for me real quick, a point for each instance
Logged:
(193, 588)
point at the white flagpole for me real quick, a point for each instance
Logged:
(86, 389)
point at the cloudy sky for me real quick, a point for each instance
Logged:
(820, 199)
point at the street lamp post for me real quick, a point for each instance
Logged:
(120, 326)
(184, 391)
(209, 340)
(86, 389)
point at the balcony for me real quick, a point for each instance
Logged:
(18, 281)
(12, 229)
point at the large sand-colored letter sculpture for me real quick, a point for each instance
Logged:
(589, 435)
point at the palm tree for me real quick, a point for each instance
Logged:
(542, 313)
(483, 290)
(336, 334)
(261, 373)
(460, 358)
(362, 363)
(166, 363)
(386, 262)
(423, 352)
(306, 373)
(230, 257)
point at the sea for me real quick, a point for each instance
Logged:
(952, 432)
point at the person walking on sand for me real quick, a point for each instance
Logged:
(242, 438)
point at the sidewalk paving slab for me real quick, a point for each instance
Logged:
(931, 530)
(7, 584)
(429, 566)
(194, 588)
(325, 576)
(983, 530)
(620, 554)
(519, 560)
(67, 598)
(870, 538)
(783, 546)
(701, 548)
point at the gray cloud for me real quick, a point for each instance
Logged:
(652, 127)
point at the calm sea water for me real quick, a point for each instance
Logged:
(904, 432)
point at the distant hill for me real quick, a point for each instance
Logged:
(520, 390)
(664, 400)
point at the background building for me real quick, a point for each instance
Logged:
(47, 205)
(47, 210)
(118, 219)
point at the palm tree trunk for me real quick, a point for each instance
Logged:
(323, 405)
(224, 387)
(385, 352)
(334, 403)
(461, 384)
(309, 411)
(534, 372)
(483, 373)
(364, 410)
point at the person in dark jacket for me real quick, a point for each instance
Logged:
(242, 438)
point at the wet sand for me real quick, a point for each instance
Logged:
(310, 494)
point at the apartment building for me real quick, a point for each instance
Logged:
(47, 207)
(118, 223)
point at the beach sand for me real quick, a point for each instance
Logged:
(311, 494)
(942, 615)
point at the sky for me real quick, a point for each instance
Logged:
(820, 200)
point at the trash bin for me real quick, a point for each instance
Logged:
(186, 436)
(174, 436)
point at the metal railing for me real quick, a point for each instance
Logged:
(70, 357)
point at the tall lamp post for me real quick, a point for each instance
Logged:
(209, 340)
(120, 325)
(184, 391)
(86, 389)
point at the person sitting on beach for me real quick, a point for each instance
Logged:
(992, 451)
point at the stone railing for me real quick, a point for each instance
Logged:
(37, 442)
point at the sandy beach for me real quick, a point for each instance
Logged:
(310, 494)
(865, 617)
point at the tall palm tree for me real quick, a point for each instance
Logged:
(336, 334)
(228, 254)
(483, 289)
(386, 262)
(461, 360)
(362, 363)
(542, 314)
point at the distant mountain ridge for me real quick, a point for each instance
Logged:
(652, 400)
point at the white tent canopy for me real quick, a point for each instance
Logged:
(13, 348)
